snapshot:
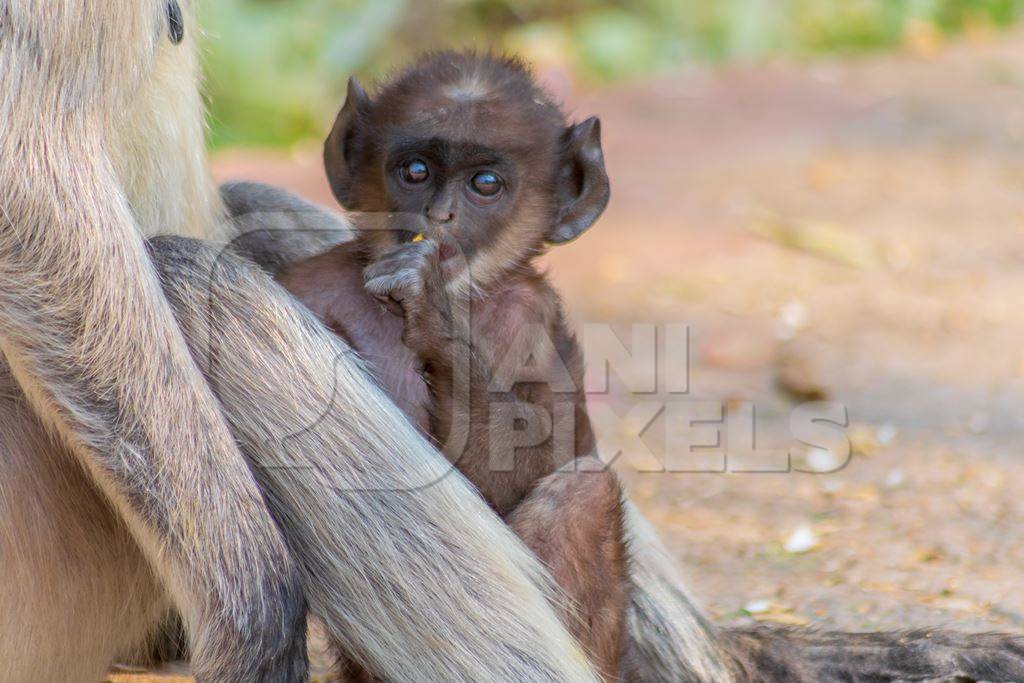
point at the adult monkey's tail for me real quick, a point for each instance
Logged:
(783, 654)
(674, 642)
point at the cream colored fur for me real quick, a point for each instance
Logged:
(140, 490)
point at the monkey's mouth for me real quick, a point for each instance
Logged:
(446, 248)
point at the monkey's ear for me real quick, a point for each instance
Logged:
(583, 185)
(337, 149)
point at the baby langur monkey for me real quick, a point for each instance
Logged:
(459, 174)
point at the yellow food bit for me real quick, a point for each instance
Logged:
(418, 237)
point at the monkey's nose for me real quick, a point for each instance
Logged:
(440, 215)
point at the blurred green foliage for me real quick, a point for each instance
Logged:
(276, 69)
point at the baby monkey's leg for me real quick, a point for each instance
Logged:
(573, 521)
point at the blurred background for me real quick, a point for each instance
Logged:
(276, 68)
(829, 192)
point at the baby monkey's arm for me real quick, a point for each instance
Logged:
(504, 372)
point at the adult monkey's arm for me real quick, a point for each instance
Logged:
(100, 141)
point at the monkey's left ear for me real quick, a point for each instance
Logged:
(338, 148)
(583, 188)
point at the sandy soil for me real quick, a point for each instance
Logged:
(852, 229)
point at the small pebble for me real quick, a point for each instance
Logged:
(821, 460)
(886, 433)
(895, 478)
(758, 606)
(792, 317)
(801, 540)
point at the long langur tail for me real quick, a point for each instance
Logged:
(673, 641)
(770, 654)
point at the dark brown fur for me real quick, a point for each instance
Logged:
(492, 324)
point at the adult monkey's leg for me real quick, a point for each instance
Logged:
(93, 344)
(75, 589)
(420, 584)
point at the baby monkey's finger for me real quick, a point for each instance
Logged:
(405, 257)
(386, 291)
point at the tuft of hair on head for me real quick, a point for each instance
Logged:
(469, 72)
(470, 77)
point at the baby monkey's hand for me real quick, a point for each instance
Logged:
(409, 280)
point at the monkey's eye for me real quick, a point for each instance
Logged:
(175, 22)
(486, 184)
(415, 172)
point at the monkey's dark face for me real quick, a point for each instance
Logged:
(467, 152)
(466, 195)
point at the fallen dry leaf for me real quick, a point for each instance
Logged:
(785, 618)
(147, 678)
(798, 376)
(824, 240)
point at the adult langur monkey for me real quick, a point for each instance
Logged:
(129, 489)
(121, 480)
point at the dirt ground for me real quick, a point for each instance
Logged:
(849, 229)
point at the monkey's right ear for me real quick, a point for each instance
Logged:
(338, 148)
